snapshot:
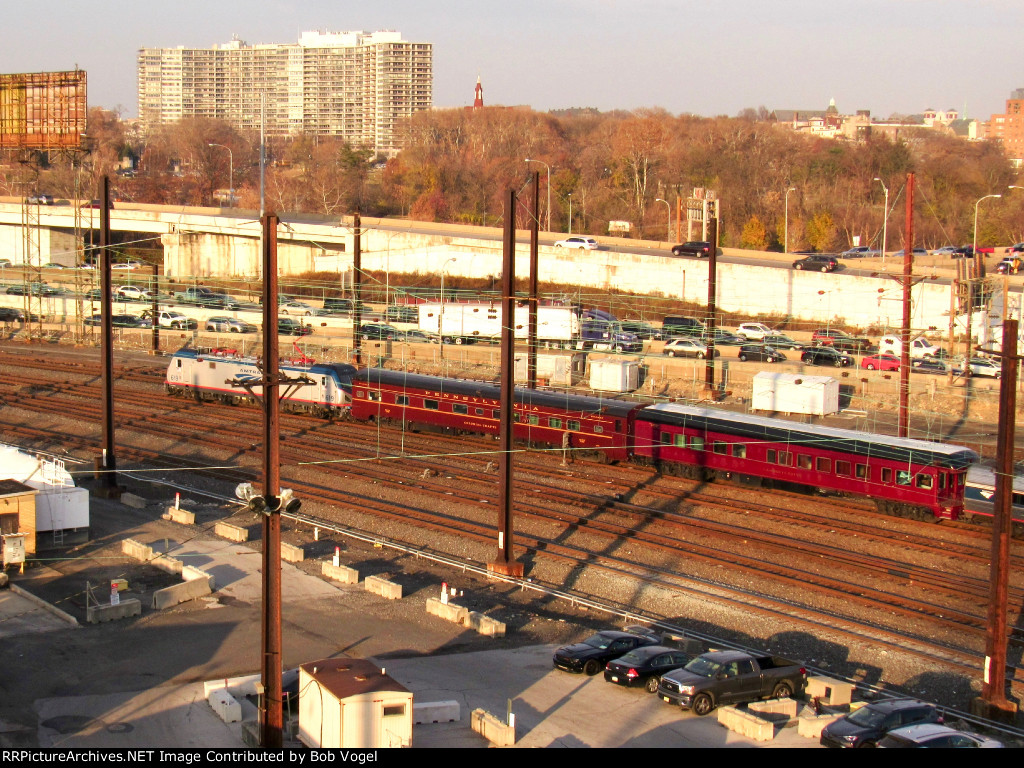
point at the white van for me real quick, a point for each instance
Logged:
(919, 347)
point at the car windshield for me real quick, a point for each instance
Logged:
(867, 717)
(599, 641)
(703, 667)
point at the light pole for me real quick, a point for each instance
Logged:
(569, 195)
(786, 246)
(529, 160)
(974, 243)
(668, 225)
(885, 218)
(440, 314)
(231, 177)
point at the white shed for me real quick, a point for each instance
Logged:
(795, 393)
(559, 370)
(614, 375)
(352, 704)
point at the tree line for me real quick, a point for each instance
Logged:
(604, 167)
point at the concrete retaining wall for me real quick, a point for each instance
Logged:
(291, 553)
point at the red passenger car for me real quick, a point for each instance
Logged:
(913, 478)
(453, 406)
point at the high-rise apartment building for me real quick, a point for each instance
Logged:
(1009, 127)
(352, 85)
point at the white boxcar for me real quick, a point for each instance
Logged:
(482, 321)
(795, 393)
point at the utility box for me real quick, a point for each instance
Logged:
(352, 704)
(614, 375)
(556, 370)
(14, 548)
(795, 393)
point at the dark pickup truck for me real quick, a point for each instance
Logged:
(731, 677)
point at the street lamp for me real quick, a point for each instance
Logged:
(885, 219)
(529, 160)
(231, 177)
(974, 243)
(786, 245)
(440, 314)
(668, 225)
(569, 195)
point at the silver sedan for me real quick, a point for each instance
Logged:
(229, 325)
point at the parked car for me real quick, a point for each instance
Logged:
(128, 265)
(644, 666)
(858, 252)
(416, 336)
(1015, 248)
(4, 263)
(10, 315)
(674, 325)
(916, 253)
(833, 337)
(55, 265)
(754, 331)
(1010, 265)
(963, 252)
(867, 725)
(685, 347)
(583, 243)
(229, 325)
(781, 341)
(817, 261)
(979, 366)
(928, 365)
(935, 736)
(825, 356)
(880, 363)
(133, 293)
(760, 352)
(401, 313)
(590, 656)
(643, 330)
(338, 305)
(698, 248)
(297, 308)
(731, 677)
(121, 321)
(286, 326)
(40, 199)
(722, 337)
(378, 331)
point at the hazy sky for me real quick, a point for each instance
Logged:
(709, 57)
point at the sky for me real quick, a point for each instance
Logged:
(706, 57)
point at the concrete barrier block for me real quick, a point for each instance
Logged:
(96, 614)
(492, 729)
(435, 712)
(137, 550)
(761, 730)
(225, 705)
(167, 563)
(291, 553)
(191, 573)
(833, 693)
(168, 597)
(131, 500)
(231, 532)
(485, 625)
(383, 587)
(811, 726)
(727, 717)
(341, 573)
(447, 611)
(176, 515)
(774, 709)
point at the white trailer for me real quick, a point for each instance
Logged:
(481, 321)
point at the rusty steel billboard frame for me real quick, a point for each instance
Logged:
(43, 110)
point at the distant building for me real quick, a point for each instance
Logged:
(353, 85)
(1009, 127)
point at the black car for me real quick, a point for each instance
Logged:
(378, 331)
(10, 315)
(825, 356)
(760, 352)
(401, 313)
(642, 330)
(590, 656)
(820, 262)
(121, 321)
(722, 338)
(871, 722)
(286, 326)
(963, 252)
(928, 365)
(698, 248)
(781, 341)
(645, 666)
(675, 325)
